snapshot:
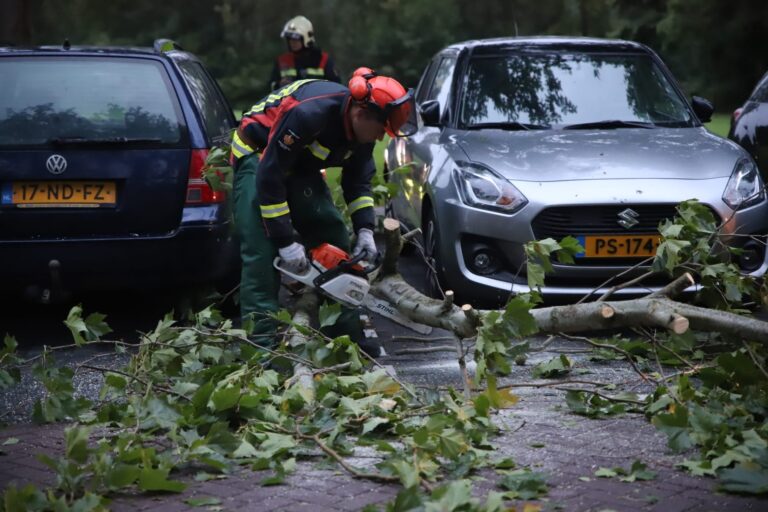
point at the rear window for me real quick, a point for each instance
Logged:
(47, 98)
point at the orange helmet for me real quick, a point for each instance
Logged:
(387, 98)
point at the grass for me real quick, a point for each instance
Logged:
(719, 124)
(332, 173)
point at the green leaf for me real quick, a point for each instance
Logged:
(122, 475)
(638, 471)
(606, 473)
(407, 499)
(507, 463)
(245, 450)
(225, 398)
(675, 425)
(698, 467)
(202, 501)
(524, 484)
(274, 444)
(372, 423)
(157, 480)
(329, 313)
(10, 441)
(556, 367)
(76, 443)
(96, 325)
(115, 381)
(76, 324)
(452, 496)
(409, 477)
(747, 478)
(27, 498)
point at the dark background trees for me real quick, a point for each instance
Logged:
(715, 48)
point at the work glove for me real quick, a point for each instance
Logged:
(366, 245)
(293, 258)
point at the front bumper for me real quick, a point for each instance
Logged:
(508, 233)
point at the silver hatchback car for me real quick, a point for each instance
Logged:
(529, 138)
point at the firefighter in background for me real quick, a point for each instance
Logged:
(303, 58)
(278, 150)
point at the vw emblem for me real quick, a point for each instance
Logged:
(628, 218)
(56, 164)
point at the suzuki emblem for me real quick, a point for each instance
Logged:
(628, 218)
(56, 164)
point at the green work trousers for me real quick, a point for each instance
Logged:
(317, 220)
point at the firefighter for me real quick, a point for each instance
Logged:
(278, 152)
(303, 58)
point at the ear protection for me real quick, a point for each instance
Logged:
(359, 87)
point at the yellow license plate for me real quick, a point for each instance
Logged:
(64, 193)
(619, 246)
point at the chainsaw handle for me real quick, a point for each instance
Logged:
(367, 269)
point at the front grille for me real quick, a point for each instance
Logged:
(560, 221)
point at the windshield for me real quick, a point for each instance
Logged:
(49, 98)
(559, 89)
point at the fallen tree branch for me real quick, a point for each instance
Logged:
(658, 312)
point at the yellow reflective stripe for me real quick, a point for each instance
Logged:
(240, 148)
(288, 72)
(270, 211)
(315, 71)
(275, 96)
(359, 203)
(319, 150)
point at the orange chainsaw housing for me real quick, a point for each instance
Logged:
(329, 256)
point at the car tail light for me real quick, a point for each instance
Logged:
(736, 114)
(198, 190)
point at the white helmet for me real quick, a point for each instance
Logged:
(299, 27)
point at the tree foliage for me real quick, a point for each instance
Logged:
(713, 47)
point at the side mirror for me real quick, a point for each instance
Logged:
(703, 108)
(430, 112)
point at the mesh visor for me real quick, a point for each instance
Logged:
(401, 116)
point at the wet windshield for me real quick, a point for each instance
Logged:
(561, 89)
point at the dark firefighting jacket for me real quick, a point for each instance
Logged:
(307, 63)
(303, 128)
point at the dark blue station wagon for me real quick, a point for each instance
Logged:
(101, 154)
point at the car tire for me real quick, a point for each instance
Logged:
(435, 281)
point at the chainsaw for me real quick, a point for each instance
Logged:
(335, 274)
(341, 277)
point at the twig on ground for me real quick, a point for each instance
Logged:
(605, 397)
(425, 339)
(426, 350)
(144, 383)
(610, 347)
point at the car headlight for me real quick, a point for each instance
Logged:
(483, 188)
(745, 187)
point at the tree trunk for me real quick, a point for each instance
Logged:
(15, 22)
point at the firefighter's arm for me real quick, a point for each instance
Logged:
(356, 176)
(331, 73)
(287, 139)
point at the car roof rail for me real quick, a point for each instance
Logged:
(166, 45)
